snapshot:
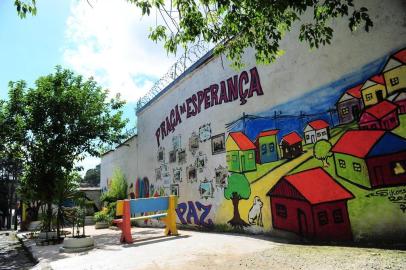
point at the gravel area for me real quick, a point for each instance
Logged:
(305, 257)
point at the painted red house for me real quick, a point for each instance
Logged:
(312, 204)
(383, 115)
(399, 98)
(371, 158)
(291, 145)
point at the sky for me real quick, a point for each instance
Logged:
(105, 39)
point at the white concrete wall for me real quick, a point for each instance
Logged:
(298, 73)
(123, 157)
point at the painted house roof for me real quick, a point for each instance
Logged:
(369, 143)
(400, 56)
(242, 141)
(396, 60)
(292, 138)
(316, 186)
(355, 91)
(318, 124)
(268, 133)
(397, 96)
(377, 79)
(381, 109)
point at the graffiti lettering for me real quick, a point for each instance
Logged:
(191, 213)
(232, 89)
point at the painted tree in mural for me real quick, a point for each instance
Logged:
(322, 151)
(238, 188)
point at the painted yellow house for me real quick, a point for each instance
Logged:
(394, 72)
(373, 90)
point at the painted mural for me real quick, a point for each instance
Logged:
(330, 165)
(335, 172)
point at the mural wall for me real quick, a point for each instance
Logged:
(313, 145)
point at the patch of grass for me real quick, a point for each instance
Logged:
(401, 129)
(263, 169)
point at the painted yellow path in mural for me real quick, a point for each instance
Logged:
(260, 188)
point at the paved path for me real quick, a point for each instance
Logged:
(208, 251)
(12, 255)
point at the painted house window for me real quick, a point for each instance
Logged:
(234, 158)
(368, 97)
(263, 149)
(318, 134)
(356, 166)
(271, 147)
(323, 218)
(338, 216)
(345, 111)
(341, 163)
(307, 136)
(250, 155)
(394, 81)
(324, 133)
(398, 167)
(281, 210)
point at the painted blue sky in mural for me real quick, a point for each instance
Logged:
(294, 115)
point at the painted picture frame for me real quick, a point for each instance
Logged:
(206, 189)
(205, 132)
(191, 174)
(161, 154)
(218, 144)
(158, 174)
(175, 189)
(193, 143)
(182, 156)
(221, 174)
(176, 142)
(172, 156)
(177, 175)
(201, 161)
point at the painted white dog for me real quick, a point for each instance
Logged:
(255, 213)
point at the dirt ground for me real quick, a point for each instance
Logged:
(305, 257)
(211, 251)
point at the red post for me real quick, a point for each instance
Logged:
(126, 225)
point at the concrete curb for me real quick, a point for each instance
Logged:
(27, 245)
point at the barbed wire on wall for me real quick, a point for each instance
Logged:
(191, 55)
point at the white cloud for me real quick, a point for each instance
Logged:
(109, 41)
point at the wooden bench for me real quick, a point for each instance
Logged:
(129, 208)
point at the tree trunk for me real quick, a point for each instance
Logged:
(49, 216)
(236, 221)
(58, 222)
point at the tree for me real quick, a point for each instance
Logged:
(322, 151)
(238, 188)
(66, 189)
(118, 187)
(235, 25)
(92, 177)
(12, 139)
(63, 118)
(117, 191)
